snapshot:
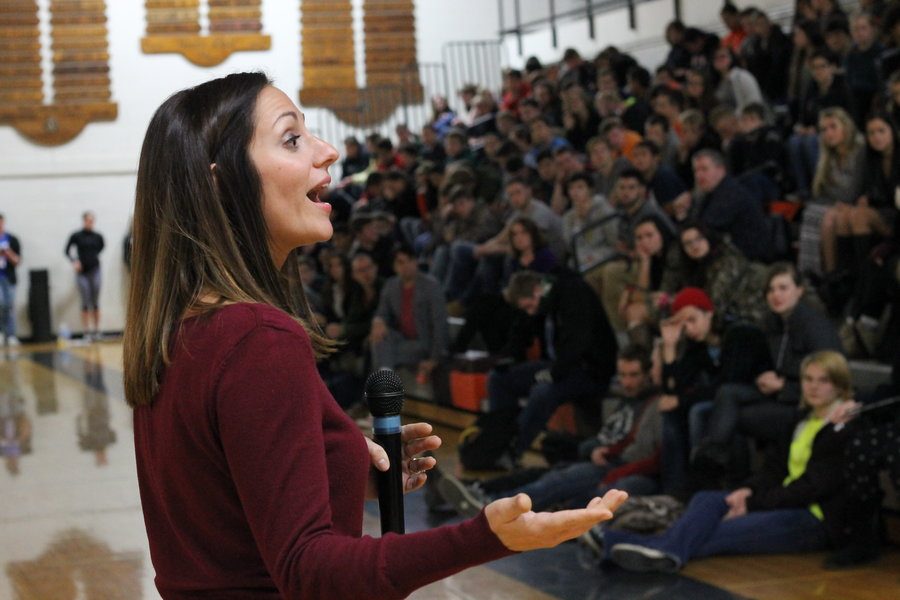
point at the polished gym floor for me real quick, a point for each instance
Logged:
(71, 525)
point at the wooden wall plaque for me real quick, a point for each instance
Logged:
(79, 75)
(329, 71)
(174, 26)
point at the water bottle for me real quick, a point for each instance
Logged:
(64, 334)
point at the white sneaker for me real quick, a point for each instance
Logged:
(12, 341)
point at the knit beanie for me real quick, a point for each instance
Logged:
(692, 296)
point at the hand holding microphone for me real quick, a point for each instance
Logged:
(399, 469)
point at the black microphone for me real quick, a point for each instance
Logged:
(384, 395)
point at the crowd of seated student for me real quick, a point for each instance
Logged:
(733, 213)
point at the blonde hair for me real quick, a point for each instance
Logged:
(836, 368)
(829, 157)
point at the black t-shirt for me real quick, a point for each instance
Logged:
(88, 245)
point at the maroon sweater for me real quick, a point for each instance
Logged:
(253, 479)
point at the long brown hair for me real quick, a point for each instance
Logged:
(199, 233)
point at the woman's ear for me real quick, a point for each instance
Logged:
(212, 170)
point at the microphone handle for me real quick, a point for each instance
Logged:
(390, 482)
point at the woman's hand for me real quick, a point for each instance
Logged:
(520, 529)
(416, 439)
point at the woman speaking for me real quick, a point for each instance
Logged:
(252, 478)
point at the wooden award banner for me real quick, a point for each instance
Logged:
(329, 68)
(80, 72)
(174, 26)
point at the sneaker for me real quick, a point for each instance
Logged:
(643, 559)
(593, 539)
(468, 500)
(12, 341)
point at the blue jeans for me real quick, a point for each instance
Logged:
(700, 531)
(803, 150)
(577, 480)
(468, 276)
(506, 387)
(698, 420)
(395, 350)
(730, 400)
(7, 307)
(575, 485)
(440, 263)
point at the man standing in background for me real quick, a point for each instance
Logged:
(10, 255)
(88, 245)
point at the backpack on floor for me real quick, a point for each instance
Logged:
(647, 514)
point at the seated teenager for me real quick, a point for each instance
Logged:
(578, 352)
(590, 243)
(656, 251)
(529, 250)
(662, 181)
(734, 284)
(699, 354)
(410, 324)
(758, 148)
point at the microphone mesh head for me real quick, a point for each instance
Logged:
(384, 393)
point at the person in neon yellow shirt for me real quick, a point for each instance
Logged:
(792, 506)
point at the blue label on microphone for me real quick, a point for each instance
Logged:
(386, 425)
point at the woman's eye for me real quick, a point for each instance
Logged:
(292, 141)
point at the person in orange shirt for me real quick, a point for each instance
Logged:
(621, 139)
(731, 16)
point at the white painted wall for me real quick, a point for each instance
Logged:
(44, 190)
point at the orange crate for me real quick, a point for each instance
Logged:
(468, 389)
